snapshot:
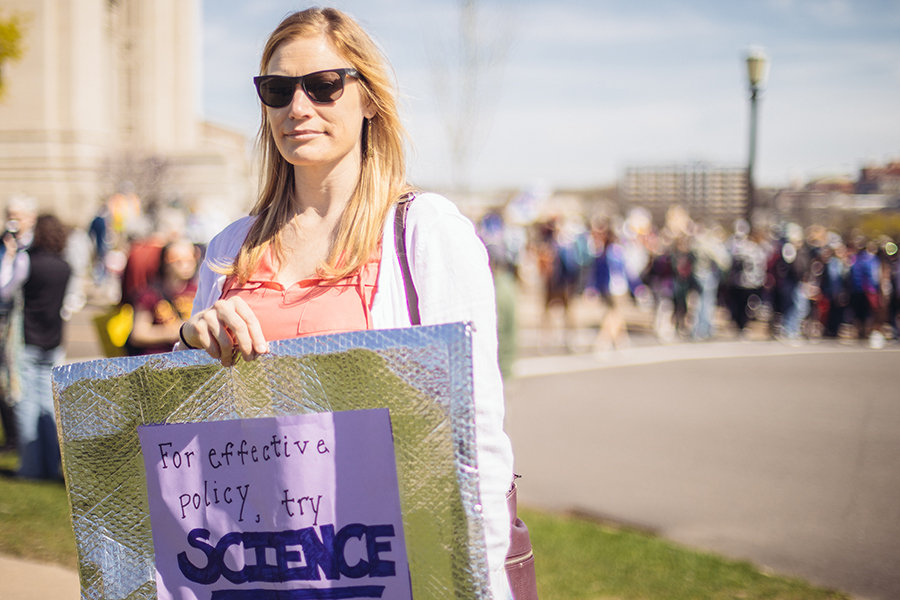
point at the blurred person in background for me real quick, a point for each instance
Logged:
(864, 283)
(125, 213)
(712, 260)
(884, 320)
(165, 304)
(503, 254)
(46, 276)
(21, 214)
(791, 271)
(78, 257)
(99, 235)
(684, 281)
(142, 266)
(892, 263)
(609, 280)
(558, 264)
(832, 287)
(747, 275)
(659, 278)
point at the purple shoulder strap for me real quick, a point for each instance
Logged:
(412, 297)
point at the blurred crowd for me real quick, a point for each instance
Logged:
(697, 279)
(142, 266)
(788, 282)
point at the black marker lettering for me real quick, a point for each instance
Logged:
(163, 454)
(275, 443)
(212, 453)
(287, 502)
(243, 500)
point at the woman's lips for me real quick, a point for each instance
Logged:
(303, 134)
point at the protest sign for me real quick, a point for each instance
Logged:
(421, 375)
(307, 504)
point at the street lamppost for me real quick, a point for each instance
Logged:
(757, 70)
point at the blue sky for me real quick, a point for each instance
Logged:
(585, 88)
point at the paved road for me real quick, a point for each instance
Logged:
(789, 457)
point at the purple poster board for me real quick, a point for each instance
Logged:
(287, 508)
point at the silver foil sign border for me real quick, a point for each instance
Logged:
(422, 374)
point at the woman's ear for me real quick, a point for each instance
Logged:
(369, 110)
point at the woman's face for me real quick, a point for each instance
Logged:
(316, 135)
(181, 261)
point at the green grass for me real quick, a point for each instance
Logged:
(575, 559)
(34, 518)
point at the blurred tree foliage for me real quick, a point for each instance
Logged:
(874, 225)
(12, 30)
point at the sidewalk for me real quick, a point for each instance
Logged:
(23, 580)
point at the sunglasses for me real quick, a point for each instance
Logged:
(322, 87)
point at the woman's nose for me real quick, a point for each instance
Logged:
(300, 105)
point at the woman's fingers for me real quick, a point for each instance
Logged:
(206, 326)
(225, 329)
(242, 327)
(251, 340)
(220, 338)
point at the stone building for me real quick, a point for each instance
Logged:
(107, 92)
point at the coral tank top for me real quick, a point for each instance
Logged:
(310, 306)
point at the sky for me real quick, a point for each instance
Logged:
(576, 91)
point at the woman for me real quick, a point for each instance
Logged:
(316, 255)
(45, 276)
(162, 308)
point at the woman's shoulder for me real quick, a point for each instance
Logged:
(433, 220)
(431, 204)
(437, 213)
(228, 241)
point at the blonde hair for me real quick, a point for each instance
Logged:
(382, 176)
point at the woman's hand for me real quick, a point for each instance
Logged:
(225, 329)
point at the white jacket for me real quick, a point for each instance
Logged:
(449, 266)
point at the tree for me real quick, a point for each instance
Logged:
(467, 76)
(12, 30)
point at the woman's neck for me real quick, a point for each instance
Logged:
(325, 193)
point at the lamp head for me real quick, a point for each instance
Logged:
(757, 67)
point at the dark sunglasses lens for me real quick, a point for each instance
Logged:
(324, 87)
(276, 92)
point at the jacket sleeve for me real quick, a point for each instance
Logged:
(221, 252)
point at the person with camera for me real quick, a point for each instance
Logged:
(21, 213)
